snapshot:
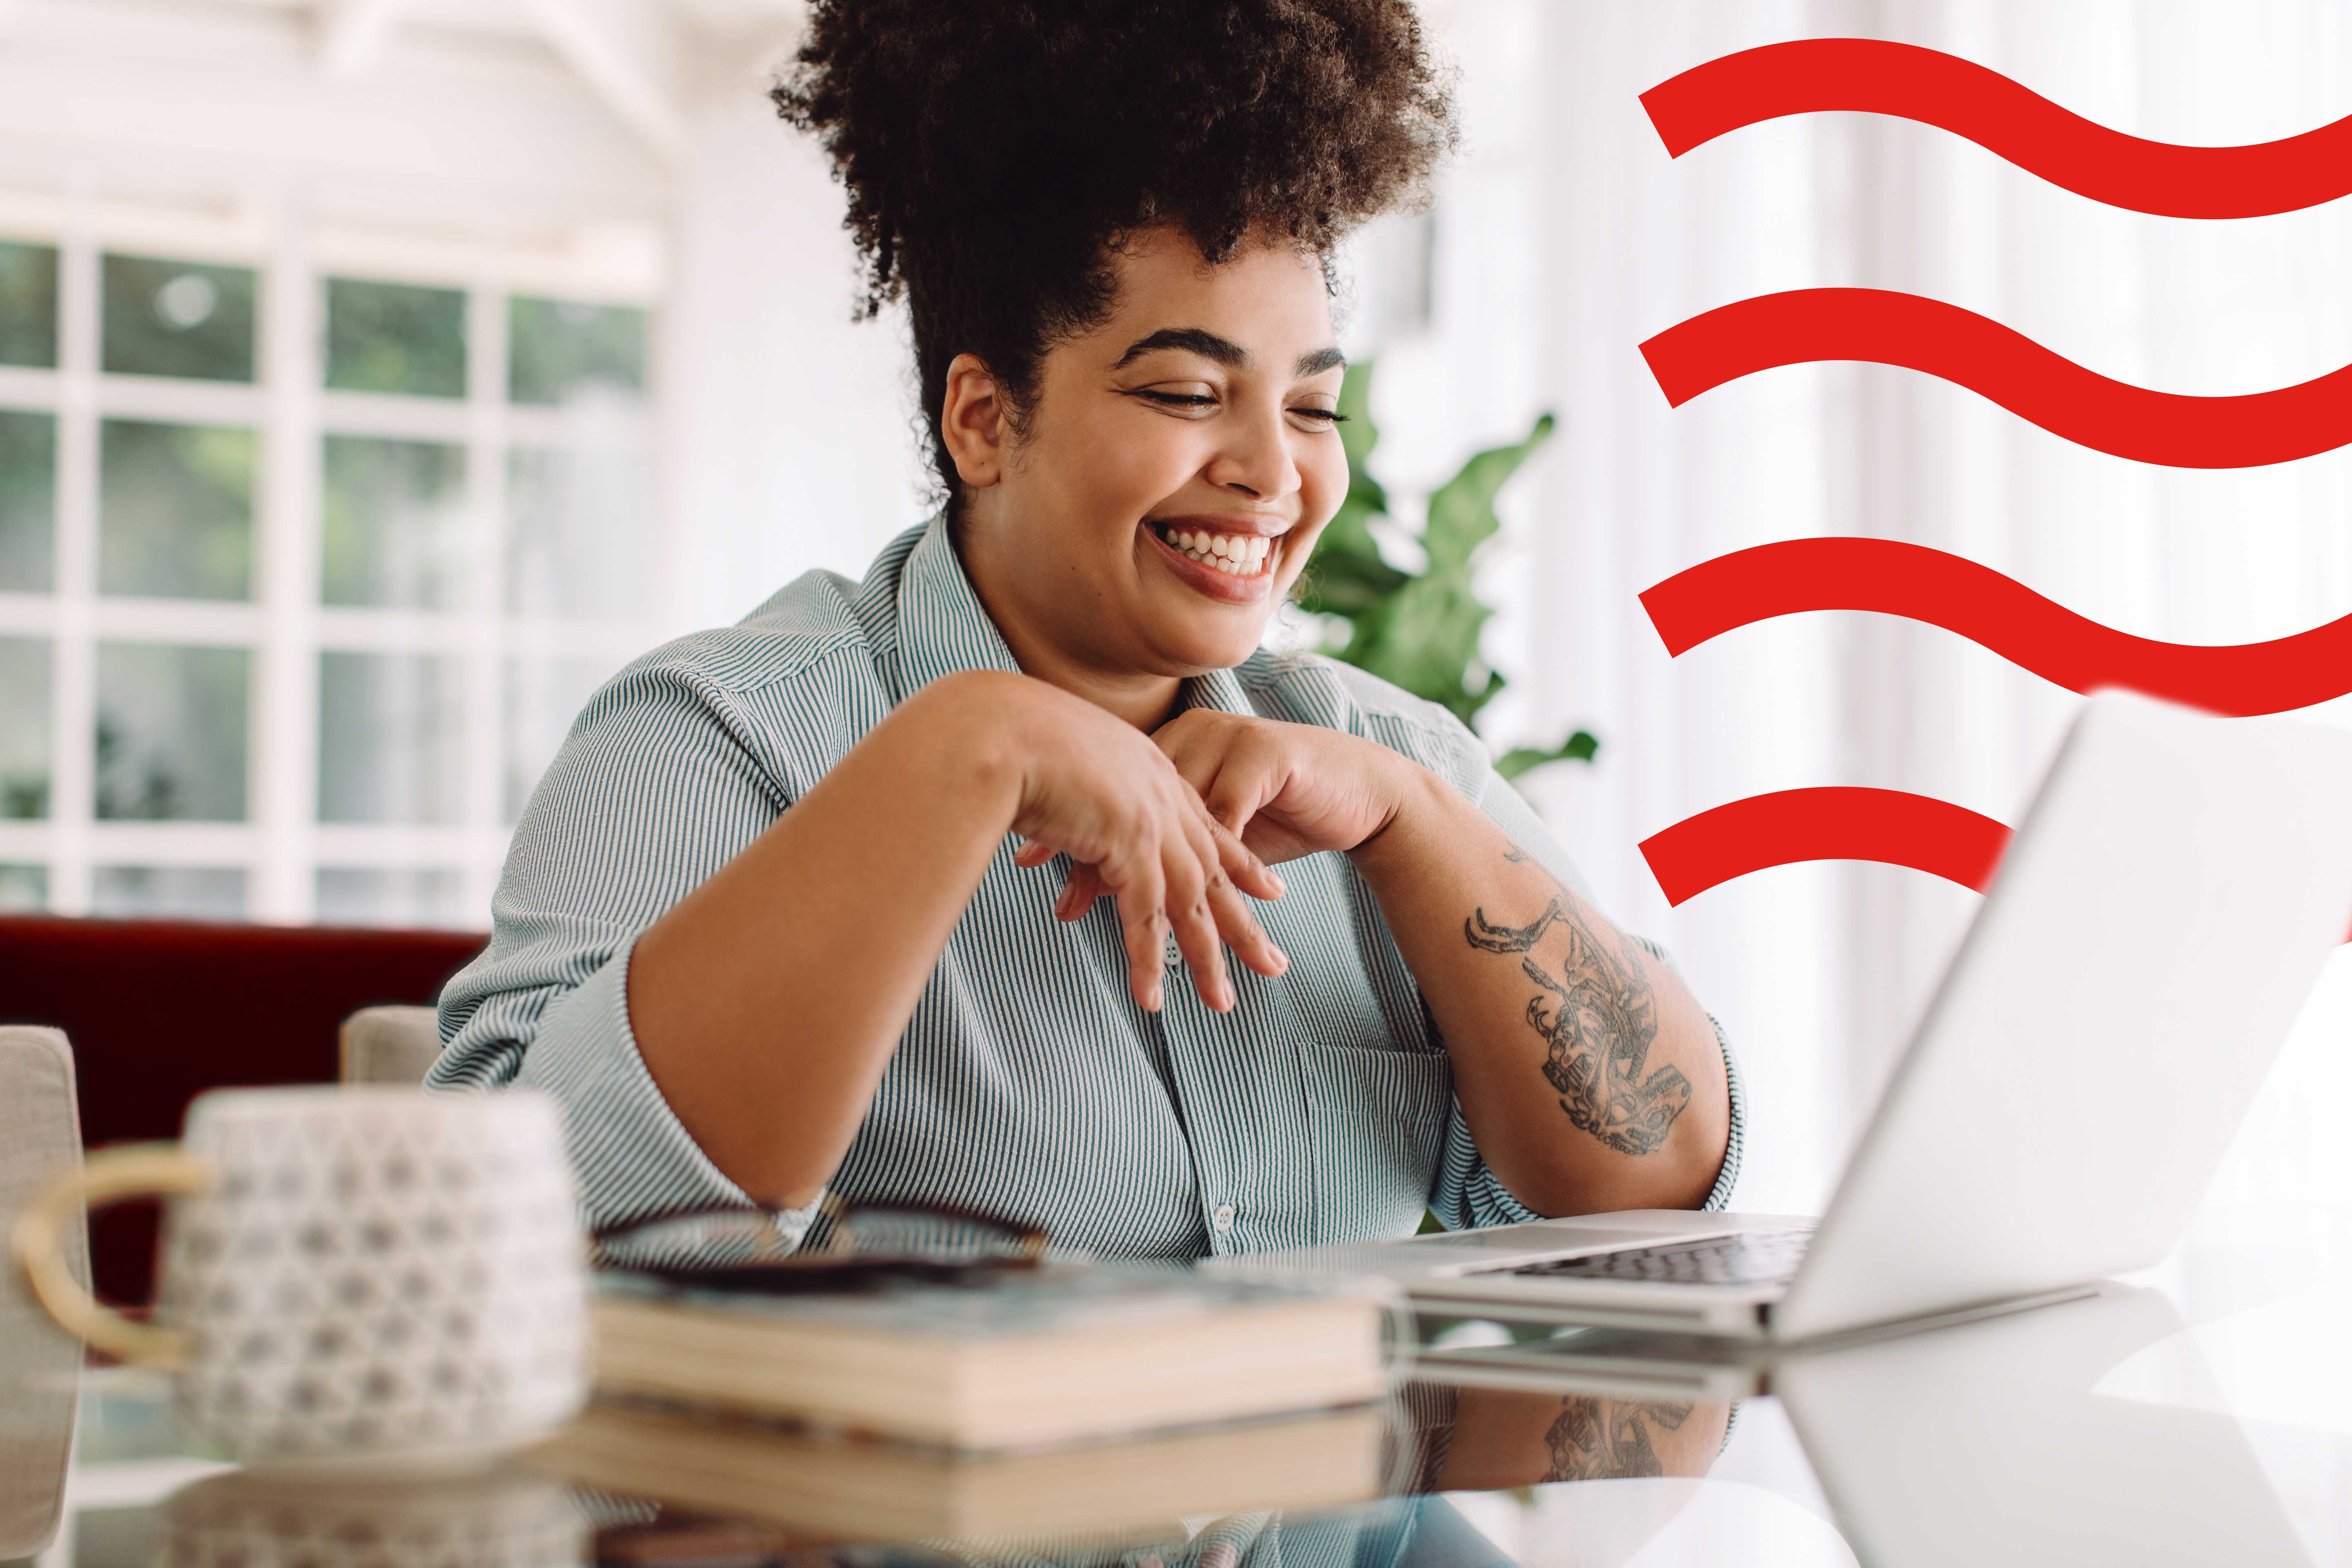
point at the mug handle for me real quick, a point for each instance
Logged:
(39, 1241)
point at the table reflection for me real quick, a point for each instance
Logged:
(2084, 1433)
(1994, 1441)
(1493, 1438)
(261, 1520)
(2004, 1440)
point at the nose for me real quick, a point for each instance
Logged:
(1255, 457)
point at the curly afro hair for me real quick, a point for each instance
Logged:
(997, 151)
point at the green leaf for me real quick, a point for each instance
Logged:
(1426, 640)
(1580, 747)
(1358, 435)
(1346, 575)
(1418, 630)
(1461, 511)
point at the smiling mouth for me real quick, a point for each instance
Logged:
(1243, 555)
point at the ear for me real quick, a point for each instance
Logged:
(972, 423)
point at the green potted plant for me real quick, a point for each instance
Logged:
(1420, 630)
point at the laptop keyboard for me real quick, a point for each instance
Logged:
(1763, 1257)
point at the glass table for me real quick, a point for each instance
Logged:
(2201, 1415)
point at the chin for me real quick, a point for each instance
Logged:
(1205, 648)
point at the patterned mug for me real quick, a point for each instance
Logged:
(362, 1273)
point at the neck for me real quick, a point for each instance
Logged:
(1140, 698)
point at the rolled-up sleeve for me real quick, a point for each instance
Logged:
(658, 786)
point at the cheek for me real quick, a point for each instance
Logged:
(1322, 479)
(1116, 469)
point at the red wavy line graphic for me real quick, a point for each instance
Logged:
(1882, 327)
(1999, 612)
(1869, 76)
(1788, 825)
(1891, 826)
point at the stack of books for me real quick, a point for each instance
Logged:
(1061, 1398)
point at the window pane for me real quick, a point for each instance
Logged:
(175, 511)
(392, 522)
(391, 736)
(29, 495)
(24, 890)
(558, 349)
(168, 892)
(369, 897)
(178, 318)
(543, 696)
(389, 337)
(23, 728)
(170, 733)
(29, 304)
(578, 531)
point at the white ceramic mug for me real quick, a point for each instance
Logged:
(362, 1272)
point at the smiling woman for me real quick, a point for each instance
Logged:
(878, 892)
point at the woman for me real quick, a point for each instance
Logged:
(879, 890)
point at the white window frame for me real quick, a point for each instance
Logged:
(281, 845)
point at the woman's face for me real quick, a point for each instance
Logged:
(1180, 458)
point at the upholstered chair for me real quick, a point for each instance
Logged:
(390, 1045)
(40, 1138)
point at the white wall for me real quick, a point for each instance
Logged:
(790, 438)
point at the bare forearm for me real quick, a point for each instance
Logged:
(1589, 1076)
(768, 1002)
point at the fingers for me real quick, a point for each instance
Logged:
(1237, 923)
(1080, 889)
(1142, 893)
(1191, 862)
(1241, 863)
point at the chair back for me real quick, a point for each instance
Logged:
(390, 1045)
(40, 1138)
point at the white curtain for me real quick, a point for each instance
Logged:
(1566, 236)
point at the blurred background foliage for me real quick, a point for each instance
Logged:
(1420, 630)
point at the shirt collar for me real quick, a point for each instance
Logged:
(1219, 690)
(943, 627)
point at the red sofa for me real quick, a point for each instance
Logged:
(159, 1010)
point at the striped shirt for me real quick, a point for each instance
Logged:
(1028, 1084)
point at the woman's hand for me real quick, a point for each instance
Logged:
(1286, 789)
(1280, 790)
(1097, 790)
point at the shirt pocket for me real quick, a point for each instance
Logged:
(1376, 1122)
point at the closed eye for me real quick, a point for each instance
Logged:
(1175, 399)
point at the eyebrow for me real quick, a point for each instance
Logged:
(1319, 361)
(1193, 340)
(1214, 346)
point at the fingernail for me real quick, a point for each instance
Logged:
(1280, 888)
(1151, 1000)
(1281, 962)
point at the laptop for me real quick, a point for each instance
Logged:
(2165, 906)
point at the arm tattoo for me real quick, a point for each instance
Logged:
(1598, 1019)
(1597, 1439)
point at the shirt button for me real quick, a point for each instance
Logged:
(1175, 954)
(1223, 1219)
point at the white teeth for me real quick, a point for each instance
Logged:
(1235, 554)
